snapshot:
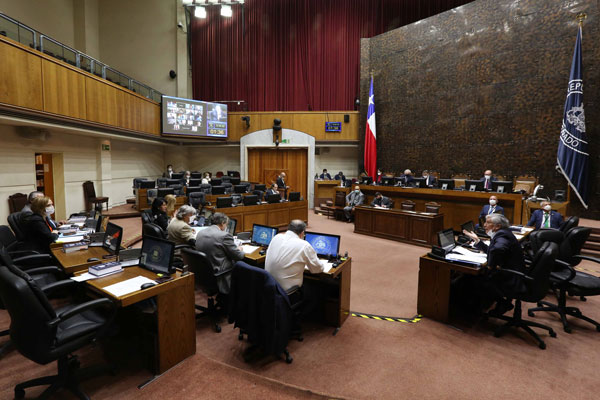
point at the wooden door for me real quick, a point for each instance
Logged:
(265, 164)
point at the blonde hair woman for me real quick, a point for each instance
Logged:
(170, 199)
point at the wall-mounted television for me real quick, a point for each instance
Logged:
(192, 118)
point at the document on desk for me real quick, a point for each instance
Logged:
(249, 249)
(464, 255)
(70, 239)
(326, 268)
(128, 286)
(86, 276)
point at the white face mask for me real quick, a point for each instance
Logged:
(490, 233)
(492, 202)
(357, 191)
(488, 176)
(170, 169)
(187, 177)
(548, 208)
(49, 210)
(379, 173)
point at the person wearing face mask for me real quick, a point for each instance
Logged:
(487, 179)
(354, 198)
(378, 176)
(406, 179)
(206, 178)
(36, 228)
(545, 218)
(159, 212)
(340, 176)
(503, 252)
(430, 180)
(179, 229)
(169, 172)
(325, 175)
(491, 208)
(220, 249)
(185, 181)
(381, 201)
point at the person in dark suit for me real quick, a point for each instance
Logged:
(430, 180)
(272, 189)
(354, 198)
(159, 212)
(281, 181)
(26, 210)
(406, 179)
(491, 208)
(217, 114)
(545, 218)
(381, 201)
(340, 176)
(185, 181)
(487, 179)
(220, 249)
(503, 252)
(169, 172)
(325, 175)
(37, 231)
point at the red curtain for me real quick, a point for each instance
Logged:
(293, 55)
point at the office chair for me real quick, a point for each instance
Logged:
(219, 174)
(408, 205)
(161, 182)
(206, 280)
(14, 220)
(248, 186)
(178, 189)
(259, 193)
(10, 242)
(151, 194)
(432, 207)
(565, 279)
(147, 217)
(89, 192)
(569, 224)
(197, 200)
(153, 230)
(537, 283)
(206, 188)
(226, 178)
(44, 334)
(136, 183)
(228, 186)
(16, 202)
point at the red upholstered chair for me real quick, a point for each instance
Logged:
(16, 202)
(219, 174)
(89, 194)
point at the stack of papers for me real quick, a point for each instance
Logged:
(464, 255)
(249, 249)
(128, 286)
(70, 239)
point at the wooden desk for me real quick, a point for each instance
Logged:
(324, 190)
(433, 298)
(457, 206)
(175, 315)
(277, 215)
(78, 260)
(404, 226)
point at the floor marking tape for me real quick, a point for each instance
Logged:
(412, 320)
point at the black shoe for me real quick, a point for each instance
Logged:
(502, 307)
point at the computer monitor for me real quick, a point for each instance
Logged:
(231, 173)
(387, 181)
(250, 200)
(112, 238)
(467, 226)
(177, 175)
(162, 192)
(366, 180)
(224, 202)
(262, 234)
(196, 175)
(273, 198)
(173, 182)
(260, 186)
(157, 255)
(101, 223)
(195, 182)
(216, 182)
(324, 244)
(231, 226)
(218, 190)
(502, 186)
(294, 196)
(239, 189)
(418, 183)
(446, 184)
(147, 184)
(193, 189)
(235, 180)
(473, 185)
(446, 239)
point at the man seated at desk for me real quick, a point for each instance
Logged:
(340, 176)
(545, 218)
(220, 249)
(487, 179)
(491, 208)
(287, 255)
(406, 179)
(272, 189)
(381, 201)
(503, 252)
(179, 229)
(430, 180)
(354, 198)
(325, 175)
(169, 172)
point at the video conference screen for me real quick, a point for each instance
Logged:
(192, 118)
(324, 245)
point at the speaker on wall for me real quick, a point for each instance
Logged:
(346, 118)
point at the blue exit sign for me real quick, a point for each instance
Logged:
(333, 126)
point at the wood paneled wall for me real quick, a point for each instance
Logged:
(294, 162)
(36, 81)
(312, 123)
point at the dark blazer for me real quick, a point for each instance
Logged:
(537, 218)
(339, 177)
(167, 175)
(280, 183)
(382, 202)
(406, 179)
(259, 306)
(184, 182)
(493, 178)
(272, 191)
(325, 176)
(431, 181)
(161, 219)
(38, 235)
(486, 210)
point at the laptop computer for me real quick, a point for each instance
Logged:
(262, 235)
(156, 255)
(446, 239)
(327, 246)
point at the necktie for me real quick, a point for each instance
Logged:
(491, 211)
(487, 183)
(546, 220)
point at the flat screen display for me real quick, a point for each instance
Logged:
(262, 234)
(112, 238)
(325, 245)
(157, 255)
(192, 118)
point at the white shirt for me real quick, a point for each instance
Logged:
(286, 257)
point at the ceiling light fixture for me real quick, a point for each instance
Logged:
(226, 10)
(200, 12)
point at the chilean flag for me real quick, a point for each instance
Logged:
(371, 137)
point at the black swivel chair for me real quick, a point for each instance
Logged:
(153, 230)
(569, 224)
(147, 217)
(44, 334)
(206, 188)
(259, 193)
(178, 189)
(565, 279)
(14, 220)
(197, 200)
(206, 280)
(228, 187)
(537, 284)
(14, 247)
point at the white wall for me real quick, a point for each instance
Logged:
(112, 172)
(214, 158)
(336, 159)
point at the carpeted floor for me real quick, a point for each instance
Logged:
(367, 358)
